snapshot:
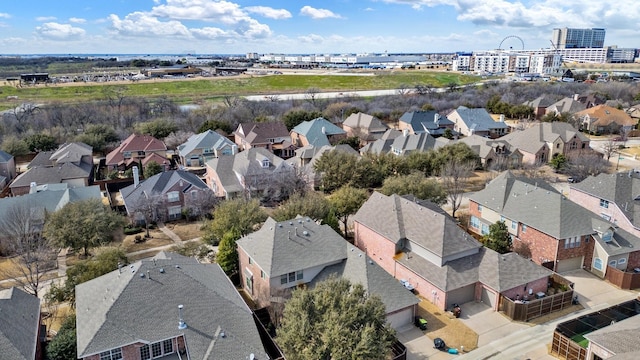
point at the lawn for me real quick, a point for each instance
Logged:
(444, 325)
(186, 230)
(202, 89)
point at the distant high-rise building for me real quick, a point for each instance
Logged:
(566, 38)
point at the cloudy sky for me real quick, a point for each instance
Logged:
(302, 26)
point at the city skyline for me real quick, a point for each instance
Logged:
(310, 27)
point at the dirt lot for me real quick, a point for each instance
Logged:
(444, 325)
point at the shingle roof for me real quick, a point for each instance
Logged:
(566, 105)
(70, 152)
(623, 189)
(5, 157)
(260, 133)
(122, 307)
(478, 119)
(134, 142)
(283, 247)
(365, 121)
(52, 175)
(622, 242)
(417, 142)
(604, 115)
(541, 101)
(19, 324)
(204, 140)
(537, 136)
(536, 204)
(482, 145)
(425, 121)
(421, 222)
(620, 338)
(317, 130)
(382, 145)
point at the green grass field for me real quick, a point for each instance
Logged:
(192, 91)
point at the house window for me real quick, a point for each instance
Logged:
(501, 218)
(173, 196)
(249, 281)
(292, 277)
(606, 216)
(597, 264)
(570, 243)
(114, 354)
(283, 279)
(207, 151)
(524, 228)
(613, 263)
(604, 203)
(140, 153)
(514, 225)
(175, 212)
(573, 145)
(485, 229)
(126, 154)
(250, 260)
(475, 223)
(622, 261)
(167, 346)
(265, 163)
(558, 146)
(145, 353)
(584, 145)
(299, 275)
(263, 274)
(479, 208)
(156, 349)
(194, 195)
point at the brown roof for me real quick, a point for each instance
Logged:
(260, 133)
(604, 115)
(133, 143)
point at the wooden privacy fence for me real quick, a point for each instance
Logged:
(623, 279)
(525, 311)
(565, 348)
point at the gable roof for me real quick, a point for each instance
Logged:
(421, 222)
(260, 133)
(619, 338)
(541, 101)
(537, 204)
(49, 200)
(317, 130)
(204, 140)
(477, 119)
(567, 105)
(382, 145)
(5, 157)
(71, 152)
(152, 290)
(622, 188)
(425, 121)
(604, 115)
(135, 142)
(287, 246)
(53, 174)
(537, 136)
(19, 324)
(483, 146)
(365, 121)
(417, 142)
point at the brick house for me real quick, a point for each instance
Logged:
(272, 136)
(136, 150)
(169, 307)
(204, 146)
(416, 241)
(22, 334)
(605, 119)
(476, 121)
(317, 132)
(424, 121)
(545, 226)
(283, 255)
(367, 128)
(7, 168)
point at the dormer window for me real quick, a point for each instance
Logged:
(265, 163)
(126, 154)
(607, 236)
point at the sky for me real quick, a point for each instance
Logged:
(303, 26)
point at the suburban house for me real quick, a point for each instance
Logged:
(7, 169)
(477, 121)
(539, 143)
(494, 154)
(540, 105)
(287, 254)
(619, 340)
(425, 121)
(137, 150)
(382, 145)
(407, 143)
(605, 119)
(367, 128)
(22, 334)
(250, 172)
(545, 226)
(307, 156)
(72, 163)
(418, 242)
(590, 100)
(569, 105)
(169, 307)
(204, 146)
(317, 132)
(272, 136)
(167, 196)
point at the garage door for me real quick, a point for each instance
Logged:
(401, 318)
(489, 297)
(569, 264)
(461, 295)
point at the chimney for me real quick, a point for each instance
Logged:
(33, 187)
(136, 177)
(234, 149)
(181, 324)
(405, 132)
(324, 130)
(501, 117)
(436, 118)
(575, 97)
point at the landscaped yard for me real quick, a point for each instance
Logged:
(444, 325)
(186, 230)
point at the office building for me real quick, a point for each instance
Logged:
(567, 38)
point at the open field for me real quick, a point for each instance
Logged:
(201, 89)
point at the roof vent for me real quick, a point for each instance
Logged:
(299, 221)
(290, 222)
(177, 266)
(181, 324)
(223, 335)
(279, 225)
(161, 270)
(305, 233)
(371, 262)
(142, 275)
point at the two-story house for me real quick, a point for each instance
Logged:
(283, 255)
(199, 148)
(272, 136)
(494, 153)
(167, 307)
(605, 119)
(425, 121)
(367, 128)
(476, 121)
(167, 195)
(408, 143)
(71, 163)
(418, 242)
(317, 132)
(137, 150)
(248, 172)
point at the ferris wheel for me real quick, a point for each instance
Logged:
(511, 38)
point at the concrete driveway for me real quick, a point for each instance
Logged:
(488, 324)
(420, 346)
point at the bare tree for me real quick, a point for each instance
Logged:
(201, 203)
(150, 207)
(609, 148)
(32, 254)
(311, 95)
(455, 175)
(584, 165)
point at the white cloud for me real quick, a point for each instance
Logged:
(210, 33)
(76, 20)
(369, 9)
(45, 18)
(207, 10)
(5, 16)
(269, 12)
(143, 25)
(56, 31)
(318, 13)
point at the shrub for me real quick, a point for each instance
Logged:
(132, 230)
(138, 239)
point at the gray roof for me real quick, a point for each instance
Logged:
(483, 146)
(261, 133)
(317, 130)
(382, 145)
(566, 105)
(365, 121)
(538, 135)
(537, 204)
(53, 174)
(205, 140)
(50, 200)
(19, 324)
(66, 153)
(620, 338)
(287, 246)
(160, 184)
(541, 101)
(358, 268)
(478, 119)
(122, 307)
(421, 222)
(622, 242)
(425, 121)
(417, 142)
(623, 189)
(5, 157)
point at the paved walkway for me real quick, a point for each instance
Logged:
(176, 239)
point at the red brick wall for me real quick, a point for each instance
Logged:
(261, 287)
(634, 260)
(375, 246)
(539, 285)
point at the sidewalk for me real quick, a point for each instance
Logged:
(176, 239)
